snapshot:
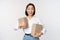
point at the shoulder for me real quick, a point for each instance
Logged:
(38, 20)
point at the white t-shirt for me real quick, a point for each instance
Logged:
(33, 20)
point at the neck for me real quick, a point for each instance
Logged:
(30, 17)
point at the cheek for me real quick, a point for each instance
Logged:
(32, 10)
(28, 11)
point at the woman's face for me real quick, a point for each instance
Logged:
(30, 10)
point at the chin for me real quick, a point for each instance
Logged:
(30, 14)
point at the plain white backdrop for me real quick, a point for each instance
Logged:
(47, 10)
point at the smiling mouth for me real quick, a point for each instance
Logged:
(30, 13)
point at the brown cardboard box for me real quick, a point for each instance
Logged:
(22, 22)
(36, 28)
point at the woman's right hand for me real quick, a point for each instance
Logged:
(22, 25)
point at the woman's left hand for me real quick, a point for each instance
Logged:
(38, 34)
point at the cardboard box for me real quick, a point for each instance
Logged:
(36, 29)
(22, 22)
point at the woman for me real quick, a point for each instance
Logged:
(30, 12)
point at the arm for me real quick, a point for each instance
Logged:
(42, 31)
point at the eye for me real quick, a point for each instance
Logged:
(28, 8)
(32, 8)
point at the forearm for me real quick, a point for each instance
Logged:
(43, 30)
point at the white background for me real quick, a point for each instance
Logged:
(47, 10)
